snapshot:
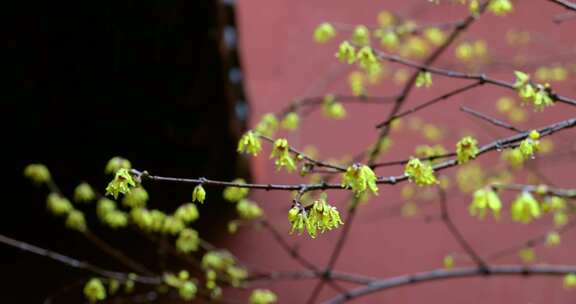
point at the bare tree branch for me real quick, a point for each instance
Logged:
(462, 272)
(71, 262)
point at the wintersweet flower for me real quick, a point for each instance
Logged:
(324, 32)
(199, 194)
(94, 290)
(38, 173)
(420, 173)
(485, 200)
(424, 79)
(500, 7)
(346, 52)
(530, 145)
(361, 35)
(249, 143)
(466, 149)
(333, 109)
(234, 194)
(281, 151)
(248, 210)
(263, 296)
(290, 121)
(187, 240)
(360, 178)
(121, 183)
(525, 208)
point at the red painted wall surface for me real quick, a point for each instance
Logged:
(282, 62)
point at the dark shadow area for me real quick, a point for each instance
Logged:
(146, 80)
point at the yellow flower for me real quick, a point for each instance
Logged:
(525, 208)
(570, 281)
(470, 177)
(249, 143)
(514, 158)
(541, 98)
(333, 109)
(361, 35)
(527, 255)
(356, 81)
(263, 296)
(386, 19)
(234, 194)
(553, 239)
(324, 216)
(530, 145)
(290, 121)
(324, 32)
(500, 7)
(360, 178)
(435, 35)
(281, 152)
(187, 241)
(505, 105)
(267, 125)
(135, 198)
(420, 173)
(187, 213)
(448, 262)
(94, 290)
(424, 79)
(121, 183)
(199, 194)
(298, 220)
(117, 163)
(38, 173)
(466, 149)
(248, 210)
(84, 193)
(366, 59)
(389, 39)
(58, 204)
(76, 221)
(346, 52)
(485, 199)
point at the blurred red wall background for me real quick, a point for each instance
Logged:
(282, 62)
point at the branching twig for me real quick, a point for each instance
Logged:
(462, 272)
(120, 276)
(528, 243)
(433, 101)
(447, 219)
(391, 180)
(454, 74)
(117, 254)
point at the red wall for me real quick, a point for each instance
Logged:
(282, 62)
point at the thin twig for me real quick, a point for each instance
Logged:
(566, 4)
(294, 253)
(117, 254)
(447, 219)
(434, 101)
(489, 119)
(533, 242)
(540, 189)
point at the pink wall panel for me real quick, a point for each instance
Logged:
(282, 62)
